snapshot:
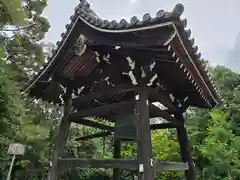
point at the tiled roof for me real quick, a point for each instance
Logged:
(85, 14)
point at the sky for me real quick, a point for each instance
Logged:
(214, 23)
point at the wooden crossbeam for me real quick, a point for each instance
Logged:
(170, 166)
(120, 164)
(162, 126)
(103, 94)
(91, 123)
(92, 136)
(162, 97)
(107, 133)
(93, 163)
(101, 126)
(157, 112)
(103, 110)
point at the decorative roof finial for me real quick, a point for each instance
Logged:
(178, 10)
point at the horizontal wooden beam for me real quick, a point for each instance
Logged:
(103, 94)
(92, 136)
(91, 163)
(170, 166)
(162, 97)
(91, 123)
(163, 126)
(110, 131)
(120, 164)
(103, 110)
(157, 112)
(101, 126)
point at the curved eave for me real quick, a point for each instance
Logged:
(53, 60)
(202, 80)
(195, 58)
(84, 14)
(86, 20)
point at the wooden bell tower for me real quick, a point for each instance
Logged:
(118, 71)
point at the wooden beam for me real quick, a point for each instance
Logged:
(170, 166)
(101, 126)
(61, 138)
(102, 110)
(162, 126)
(103, 134)
(185, 151)
(162, 97)
(157, 112)
(92, 136)
(144, 142)
(93, 163)
(91, 123)
(103, 94)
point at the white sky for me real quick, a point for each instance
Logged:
(214, 23)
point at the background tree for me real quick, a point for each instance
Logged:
(21, 29)
(221, 148)
(211, 131)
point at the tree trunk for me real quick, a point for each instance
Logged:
(229, 175)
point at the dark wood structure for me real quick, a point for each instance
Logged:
(116, 70)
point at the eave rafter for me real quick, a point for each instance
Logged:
(101, 94)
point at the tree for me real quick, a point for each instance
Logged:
(11, 110)
(11, 106)
(221, 148)
(11, 13)
(205, 126)
(229, 84)
(22, 40)
(21, 29)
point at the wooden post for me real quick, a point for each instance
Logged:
(117, 154)
(61, 137)
(185, 150)
(144, 143)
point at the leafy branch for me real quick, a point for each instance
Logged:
(18, 29)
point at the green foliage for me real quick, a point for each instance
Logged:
(221, 148)
(161, 140)
(11, 12)
(22, 29)
(215, 134)
(11, 109)
(165, 148)
(21, 119)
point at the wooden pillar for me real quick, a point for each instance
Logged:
(61, 138)
(117, 154)
(144, 143)
(185, 150)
